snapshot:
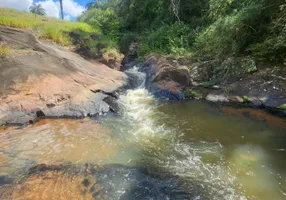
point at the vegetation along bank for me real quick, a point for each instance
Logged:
(225, 51)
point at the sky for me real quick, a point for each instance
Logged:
(72, 8)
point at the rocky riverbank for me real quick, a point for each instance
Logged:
(41, 79)
(235, 81)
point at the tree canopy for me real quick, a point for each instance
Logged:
(205, 29)
(37, 9)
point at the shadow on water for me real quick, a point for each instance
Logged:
(111, 181)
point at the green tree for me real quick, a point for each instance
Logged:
(37, 9)
(93, 4)
(208, 29)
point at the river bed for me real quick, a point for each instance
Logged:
(220, 152)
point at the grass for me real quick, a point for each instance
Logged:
(245, 99)
(209, 84)
(48, 28)
(195, 95)
(4, 51)
(282, 107)
(192, 94)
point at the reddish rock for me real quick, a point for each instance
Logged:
(50, 81)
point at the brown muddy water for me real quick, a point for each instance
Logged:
(217, 152)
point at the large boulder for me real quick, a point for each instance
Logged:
(166, 78)
(40, 78)
(202, 71)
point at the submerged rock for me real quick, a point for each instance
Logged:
(67, 181)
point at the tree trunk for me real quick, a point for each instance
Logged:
(62, 11)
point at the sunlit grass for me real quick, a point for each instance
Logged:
(49, 28)
(4, 51)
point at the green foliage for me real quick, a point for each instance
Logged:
(196, 95)
(172, 39)
(234, 68)
(282, 107)
(106, 20)
(192, 94)
(37, 9)
(210, 83)
(245, 100)
(126, 40)
(4, 50)
(229, 34)
(208, 29)
(111, 55)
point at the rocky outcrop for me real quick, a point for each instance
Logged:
(42, 79)
(235, 81)
(165, 78)
(263, 87)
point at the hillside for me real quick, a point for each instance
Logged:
(41, 78)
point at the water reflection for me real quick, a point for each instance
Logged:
(160, 150)
(78, 141)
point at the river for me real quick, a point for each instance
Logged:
(213, 152)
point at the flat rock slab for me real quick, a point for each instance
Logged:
(43, 79)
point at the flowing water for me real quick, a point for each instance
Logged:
(213, 152)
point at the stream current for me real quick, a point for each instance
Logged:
(209, 151)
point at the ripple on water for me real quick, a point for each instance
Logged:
(167, 151)
(78, 141)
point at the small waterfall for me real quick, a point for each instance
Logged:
(136, 78)
(138, 105)
(141, 124)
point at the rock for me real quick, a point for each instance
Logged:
(111, 102)
(217, 98)
(51, 81)
(216, 87)
(166, 78)
(202, 72)
(67, 181)
(246, 83)
(131, 55)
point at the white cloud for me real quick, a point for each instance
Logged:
(72, 8)
(22, 5)
(52, 9)
(68, 17)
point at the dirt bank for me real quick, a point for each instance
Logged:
(39, 78)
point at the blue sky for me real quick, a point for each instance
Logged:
(81, 2)
(72, 8)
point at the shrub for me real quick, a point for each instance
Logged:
(227, 35)
(4, 51)
(106, 20)
(173, 39)
(126, 40)
(112, 55)
(282, 107)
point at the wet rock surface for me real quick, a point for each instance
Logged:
(41, 79)
(263, 89)
(67, 181)
(164, 78)
(235, 81)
